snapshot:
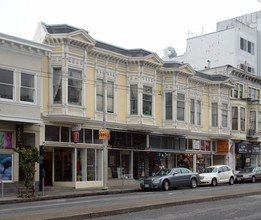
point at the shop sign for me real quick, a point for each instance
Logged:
(222, 146)
(19, 135)
(256, 149)
(104, 134)
(243, 148)
(196, 144)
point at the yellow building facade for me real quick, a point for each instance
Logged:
(158, 113)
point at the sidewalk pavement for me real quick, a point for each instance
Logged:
(65, 192)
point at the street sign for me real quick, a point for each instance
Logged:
(104, 134)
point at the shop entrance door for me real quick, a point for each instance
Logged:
(48, 168)
(125, 163)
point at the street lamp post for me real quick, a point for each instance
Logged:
(105, 141)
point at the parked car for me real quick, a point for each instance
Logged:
(249, 174)
(170, 178)
(214, 175)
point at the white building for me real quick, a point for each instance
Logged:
(236, 42)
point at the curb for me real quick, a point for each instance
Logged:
(53, 197)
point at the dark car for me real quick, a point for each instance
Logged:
(170, 178)
(249, 174)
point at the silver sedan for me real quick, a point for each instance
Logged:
(170, 178)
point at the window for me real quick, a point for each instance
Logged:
(243, 44)
(240, 91)
(214, 114)
(147, 100)
(110, 97)
(234, 118)
(99, 95)
(236, 91)
(57, 85)
(224, 115)
(242, 119)
(198, 112)
(169, 106)
(27, 89)
(247, 46)
(133, 99)
(75, 87)
(252, 122)
(259, 122)
(181, 107)
(6, 84)
(192, 111)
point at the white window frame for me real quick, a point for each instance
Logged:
(181, 101)
(13, 85)
(26, 87)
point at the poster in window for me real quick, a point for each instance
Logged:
(5, 140)
(6, 167)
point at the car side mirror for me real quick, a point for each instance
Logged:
(175, 173)
(219, 171)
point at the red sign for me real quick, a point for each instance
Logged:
(104, 134)
(75, 136)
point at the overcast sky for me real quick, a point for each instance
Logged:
(149, 24)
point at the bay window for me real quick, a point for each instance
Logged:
(74, 87)
(57, 85)
(181, 107)
(224, 115)
(147, 100)
(214, 114)
(133, 99)
(198, 112)
(192, 111)
(234, 118)
(168, 107)
(242, 119)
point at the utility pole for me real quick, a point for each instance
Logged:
(105, 141)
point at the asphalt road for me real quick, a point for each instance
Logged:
(244, 208)
(74, 206)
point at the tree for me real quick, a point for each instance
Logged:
(29, 155)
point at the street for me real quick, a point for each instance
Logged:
(132, 202)
(241, 208)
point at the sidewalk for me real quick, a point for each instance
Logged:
(63, 192)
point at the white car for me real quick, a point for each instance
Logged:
(214, 175)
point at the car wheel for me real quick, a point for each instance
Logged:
(193, 183)
(253, 180)
(214, 182)
(231, 181)
(165, 185)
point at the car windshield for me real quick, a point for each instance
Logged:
(247, 170)
(163, 172)
(208, 170)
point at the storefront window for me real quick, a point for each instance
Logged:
(6, 167)
(98, 165)
(88, 136)
(51, 133)
(155, 141)
(96, 137)
(63, 164)
(65, 134)
(185, 160)
(5, 140)
(203, 145)
(203, 161)
(90, 164)
(81, 168)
